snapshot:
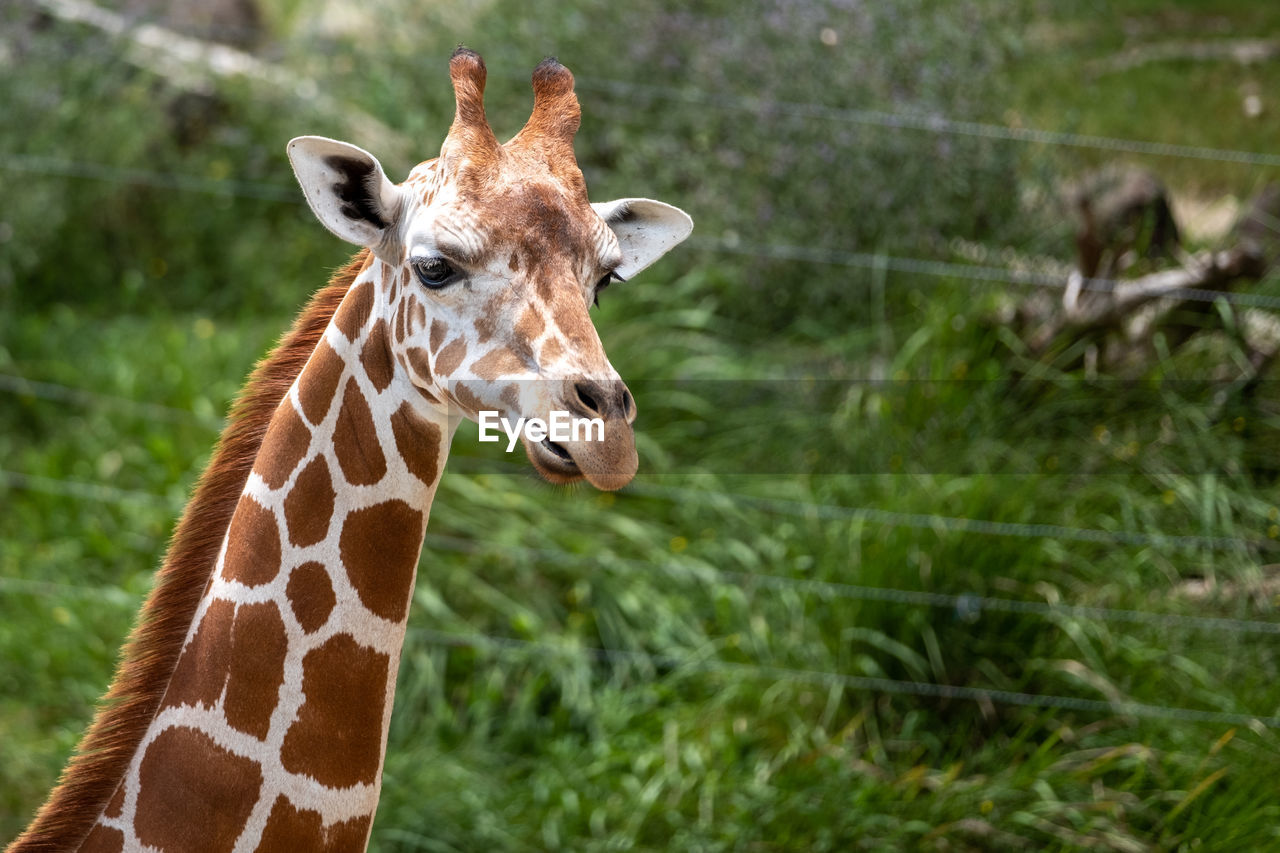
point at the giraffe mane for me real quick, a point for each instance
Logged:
(151, 652)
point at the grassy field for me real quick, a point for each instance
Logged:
(881, 583)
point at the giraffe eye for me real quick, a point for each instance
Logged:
(609, 279)
(434, 272)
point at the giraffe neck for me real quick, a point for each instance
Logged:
(272, 731)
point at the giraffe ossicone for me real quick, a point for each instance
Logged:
(251, 705)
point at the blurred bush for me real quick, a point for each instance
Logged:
(713, 110)
(152, 243)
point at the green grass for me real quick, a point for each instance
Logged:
(713, 723)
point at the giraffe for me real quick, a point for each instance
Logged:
(251, 705)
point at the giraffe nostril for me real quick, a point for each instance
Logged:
(628, 404)
(584, 397)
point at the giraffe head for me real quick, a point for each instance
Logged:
(491, 255)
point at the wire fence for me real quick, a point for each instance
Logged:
(776, 506)
(930, 123)
(952, 524)
(35, 164)
(976, 273)
(933, 123)
(58, 393)
(755, 671)
(125, 27)
(765, 108)
(705, 663)
(878, 261)
(967, 606)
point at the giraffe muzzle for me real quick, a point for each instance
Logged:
(608, 460)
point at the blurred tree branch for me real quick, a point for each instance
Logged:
(1120, 319)
(193, 65)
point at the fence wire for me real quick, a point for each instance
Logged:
(969, 272)
(976, 273)
(966, 606)
(54, 392)
(704, 663)
(949, 524)
(744, 671)
(929, 122)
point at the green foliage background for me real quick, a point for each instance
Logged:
(152, 247)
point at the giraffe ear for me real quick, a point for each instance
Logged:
(346, 188)
(646, 230)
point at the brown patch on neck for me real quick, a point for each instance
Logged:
(418, 441)
(103, 839)
(152, 651)
(309, 506)
(356, 311)
(290, 829)
(258, 648)
(283, 448)
(201, 675)
(185, 766)
(320, 383)
(253, 544)
(376, 356)
(355, 440)
(379, 546)
(236, 655)
(337, 736)
(311, 596)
